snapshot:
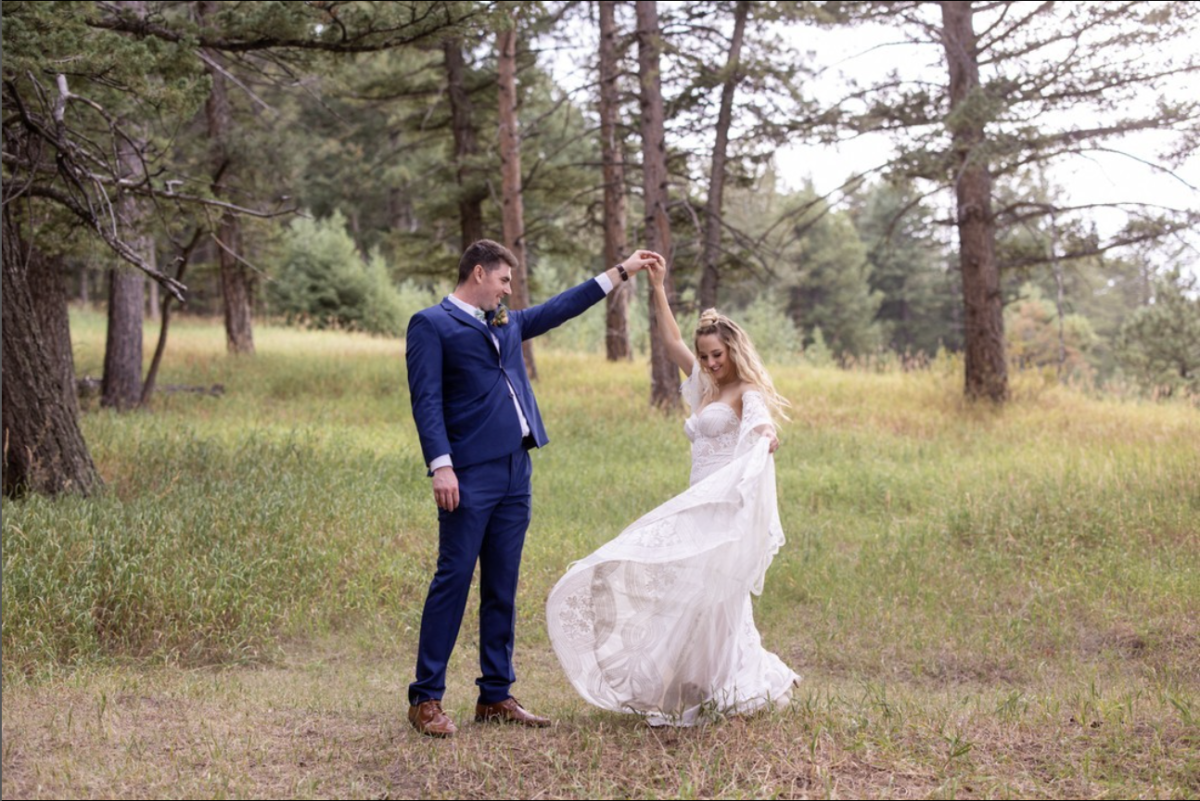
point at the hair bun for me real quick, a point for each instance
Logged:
(710, 317)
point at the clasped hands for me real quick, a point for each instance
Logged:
(644, 259)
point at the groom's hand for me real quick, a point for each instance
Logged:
(643, 259)
(445, 488)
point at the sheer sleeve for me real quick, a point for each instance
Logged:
(691, 389)
(756, 427)
(756, 421)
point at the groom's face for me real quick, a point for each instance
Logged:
(493, 286)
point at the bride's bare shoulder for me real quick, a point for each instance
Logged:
(744, 387)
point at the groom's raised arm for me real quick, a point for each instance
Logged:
(423, 356)
(539, 319)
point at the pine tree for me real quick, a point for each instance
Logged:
(1027, 84)
(1159, 345)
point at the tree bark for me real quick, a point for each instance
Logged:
(1056, 265)
(471, 193)
(710, 278)
(121, 387)
(986, 369)
(237, 291)
(664, 376)
(512, 206)
(50, 300)
(44, 450)
(616, 336)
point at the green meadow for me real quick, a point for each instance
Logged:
(982, 602)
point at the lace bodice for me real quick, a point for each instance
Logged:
(714, 435)
(716, 430)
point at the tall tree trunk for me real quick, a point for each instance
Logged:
(716, 187)
(616, 336)
(664, 376)
(121, 387)
(237, 291)
(471, 193)
(512, 206)
(1056, 265)
(50, 299)
(44, 450)
(986, 370)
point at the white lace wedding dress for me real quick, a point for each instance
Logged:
(658, 621)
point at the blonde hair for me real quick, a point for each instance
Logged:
(746, 362)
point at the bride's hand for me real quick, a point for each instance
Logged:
(641, 260)
(771, 435)
(658, 271)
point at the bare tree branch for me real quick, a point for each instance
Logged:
(117, 245)
(212, 62)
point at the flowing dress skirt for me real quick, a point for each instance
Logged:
(659, 622)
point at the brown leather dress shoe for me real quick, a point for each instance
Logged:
(428, 718)
(508, 711)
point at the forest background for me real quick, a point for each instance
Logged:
(216, 530)
(324, 163)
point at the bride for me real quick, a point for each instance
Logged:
(658, 621)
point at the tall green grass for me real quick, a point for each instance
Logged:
(928, 539)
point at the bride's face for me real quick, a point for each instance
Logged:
(714, 358)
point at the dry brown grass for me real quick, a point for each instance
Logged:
(329, 722)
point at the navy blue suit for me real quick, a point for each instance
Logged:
(463, 406)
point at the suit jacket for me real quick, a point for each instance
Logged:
(456, 377)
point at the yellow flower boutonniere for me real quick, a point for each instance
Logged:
(501, 316)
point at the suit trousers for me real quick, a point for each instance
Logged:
(489, 525)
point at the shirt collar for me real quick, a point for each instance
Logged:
(467, 307)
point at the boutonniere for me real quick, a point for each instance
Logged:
(501, 315)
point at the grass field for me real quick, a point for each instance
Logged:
(983, 603)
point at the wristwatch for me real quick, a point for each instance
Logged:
(621, 270)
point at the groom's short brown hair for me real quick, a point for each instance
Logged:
(484, 252)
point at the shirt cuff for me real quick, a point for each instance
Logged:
(441, 461)
(605, 282)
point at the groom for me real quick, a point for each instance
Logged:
(477, 420)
